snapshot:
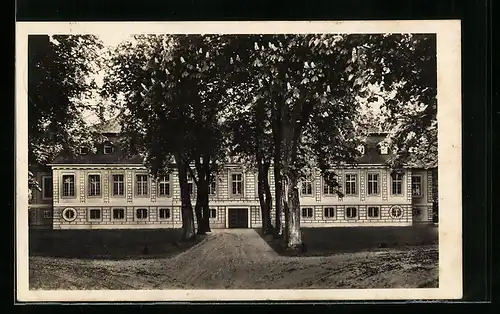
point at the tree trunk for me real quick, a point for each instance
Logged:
(267, 191)
(188, 231)
(206, 201)
(278, 191)
(261, 193)
(292, 210)
(198, 211)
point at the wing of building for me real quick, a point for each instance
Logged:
(107, 190)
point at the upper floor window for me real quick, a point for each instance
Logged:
(350, 184)
(94, 185)
(118, 184)
(47, 187)
(372, 183)
(108, 149)
(190, 183)
(397, 184)
(212, 186)
(306, 187)
(237, 184)
(416, 185)
(141, 184)
(328, 189)
(164, 185)
(68, 185)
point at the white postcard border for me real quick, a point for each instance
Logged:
(449, 158)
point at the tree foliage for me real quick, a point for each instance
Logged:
(60, 83)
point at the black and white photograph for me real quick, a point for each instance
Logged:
(238, 161)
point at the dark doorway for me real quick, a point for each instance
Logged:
(238, 217)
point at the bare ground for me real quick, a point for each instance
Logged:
(242, 259)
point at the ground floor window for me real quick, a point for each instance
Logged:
(329, 212)
(351, 212)
(373, 212)
(69, 214)
(213, 213)
(396, 212)
(94, 214)
(141, 213)
(118, 213)
(164, 213)
(47, 213)
(307, 212)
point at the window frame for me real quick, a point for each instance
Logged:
(74, 186)
(368, 183)
(51, 187)
(45, 216)
(167, 182)
(136, 211)
(356, 190)
(232, 181)
(116, 209)
(69, 209)
(88, 185)
(328, 186)
(356, 211)
(421, 185)
(401, 181)
(108, 146)
(212, 210)
(306, 209)
(325, 209)
(93, 209)
(212, 191)
(136, 185)
(168, 215)
(113, 184)
(368, 212)
(306, 181)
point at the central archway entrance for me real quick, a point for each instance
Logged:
(237, 218)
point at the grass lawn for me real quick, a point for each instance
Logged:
(404, 257)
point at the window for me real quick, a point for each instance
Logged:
(47, 213)
(141, 213)
(118, 184)
(350, 184)
(306, 188)
(94, 185)
(307, 212)
(108, 149)
(351, 212)
(83, 150)
(328, 188)
(396, 212)
(46, 187)
(397, 184)
(372, 183)
(94, 214)
(69, 214)
(141, 184)
(190, 184)
(118, 213)
(164, 213)
(384, 148)
(68, 185)
(164, 185)
(212, 187)
(237, 183)
(213, 213)
(329, 212)
(373, 212)
(416, 186)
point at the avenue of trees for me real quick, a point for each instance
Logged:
(282, 103)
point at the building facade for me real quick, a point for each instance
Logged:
(105, 191)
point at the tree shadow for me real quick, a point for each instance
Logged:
(118, 244)
(337, 240)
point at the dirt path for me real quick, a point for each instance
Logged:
(241, 259)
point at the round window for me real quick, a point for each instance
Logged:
(396, 212)
(69, 214)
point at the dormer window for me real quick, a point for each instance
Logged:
(361, 149)
(83, 151)
(384, 148)
(108, 149)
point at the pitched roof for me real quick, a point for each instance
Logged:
(372, 153)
